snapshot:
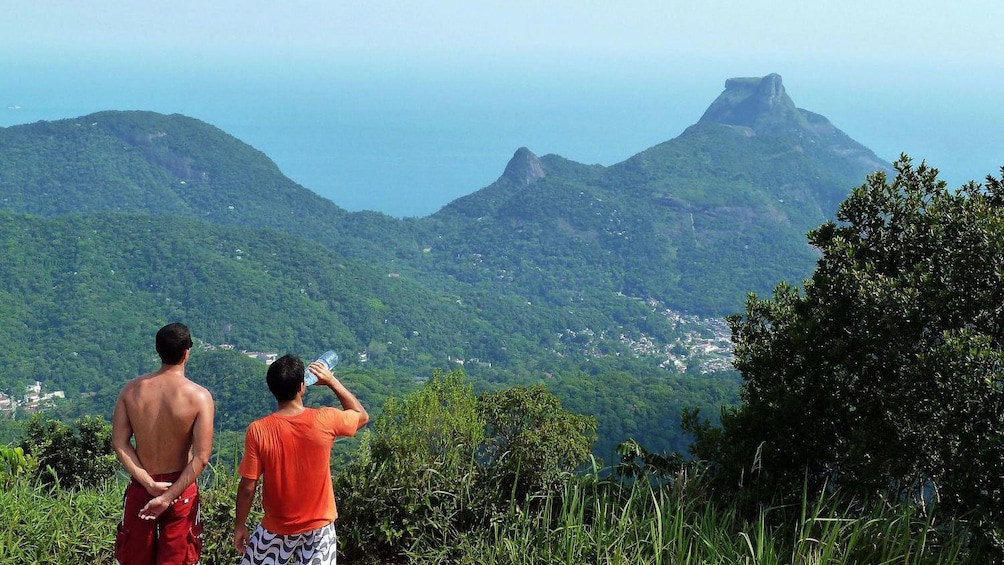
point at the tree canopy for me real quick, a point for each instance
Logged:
(885, 374)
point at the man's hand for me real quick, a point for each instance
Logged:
(158, 488)
(324, 375)
(241, 538)
(155, 508)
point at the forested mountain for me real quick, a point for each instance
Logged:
(695, 222)
(591, 279)
(144, 162)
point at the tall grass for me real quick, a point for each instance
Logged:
(589, 521)
(43, 525)
(39, 525)
(594, 522)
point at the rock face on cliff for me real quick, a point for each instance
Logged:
(524, 168)
(757, 103)
(762, 108)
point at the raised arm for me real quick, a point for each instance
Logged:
(202, 447)
(345, 396)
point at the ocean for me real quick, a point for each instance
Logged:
(407, 143)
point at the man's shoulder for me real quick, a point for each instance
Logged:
(196, 390)
(137, 380)
(263, 422)
(325, 412)
(197, 387)
(340, 420)
(132, 386)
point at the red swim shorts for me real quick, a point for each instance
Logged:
(174, 538)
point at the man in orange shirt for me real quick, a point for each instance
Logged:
(290, 451)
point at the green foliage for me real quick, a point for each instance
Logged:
(437, 426)
(92, 291)
(120, 221)
(533, 444)
(416, 477)
(641, 403)
(117, 222)
(14, 465)
(885, 375)
(40, 525)
(71, 457)
(593, 521)
(636, 462)
(442, 463)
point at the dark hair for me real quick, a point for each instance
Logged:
(284, 377)
(173, 340)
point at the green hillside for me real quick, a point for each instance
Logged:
(84, 294)
(79, 287)
(145, 162)
(605, 283)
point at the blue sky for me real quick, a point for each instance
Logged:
(922, 77)
(847, 31)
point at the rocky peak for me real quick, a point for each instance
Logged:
(524, 168)
(757, 103)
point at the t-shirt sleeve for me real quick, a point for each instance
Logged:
(250, 466)
(342, 423)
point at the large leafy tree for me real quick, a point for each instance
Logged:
(533, 443)
(885, 374)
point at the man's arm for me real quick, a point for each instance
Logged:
(202, 448)
(126, 453)
(245, 494)
(345, 396)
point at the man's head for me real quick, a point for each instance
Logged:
(285, 377)
(173, 340)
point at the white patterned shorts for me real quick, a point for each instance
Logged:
(316, 547)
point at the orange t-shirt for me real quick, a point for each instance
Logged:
(292, 454)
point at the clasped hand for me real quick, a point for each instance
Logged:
(153, 509)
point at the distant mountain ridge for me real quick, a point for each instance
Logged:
(728, 200)
(694, 222)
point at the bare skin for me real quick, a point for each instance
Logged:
(171, 419)
(246, 488)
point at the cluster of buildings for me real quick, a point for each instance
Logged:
(32, 400)
(268, 357)
(702, 345)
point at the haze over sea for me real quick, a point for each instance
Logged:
(407, 141)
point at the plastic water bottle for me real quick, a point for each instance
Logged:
(328, 358)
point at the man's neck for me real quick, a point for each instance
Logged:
(290, 407)
(172, 370)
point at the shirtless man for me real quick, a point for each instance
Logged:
(171, 419)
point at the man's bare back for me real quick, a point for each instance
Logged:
(162, 410)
